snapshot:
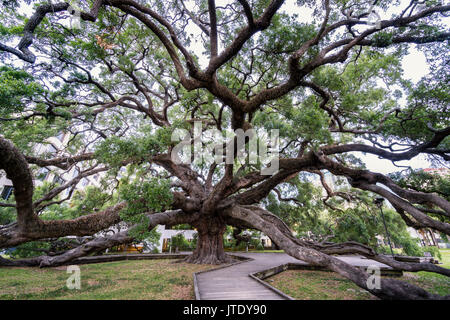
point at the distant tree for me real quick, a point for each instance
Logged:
(179, 242)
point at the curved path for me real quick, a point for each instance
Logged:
(234, 282)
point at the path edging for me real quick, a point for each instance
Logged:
(277, 270)
(125, 257)
(264, 274)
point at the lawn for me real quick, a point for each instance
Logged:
(432, 282)
(139, 279)
(164, 279)
(322, 285)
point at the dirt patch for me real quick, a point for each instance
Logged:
(182, 292)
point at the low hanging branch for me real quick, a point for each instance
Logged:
(101, 243)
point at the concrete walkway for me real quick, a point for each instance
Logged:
(234, 282)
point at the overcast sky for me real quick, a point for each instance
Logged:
(415, 67)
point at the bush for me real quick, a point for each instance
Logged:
(433, 250)
(228, 243)
(155, 250)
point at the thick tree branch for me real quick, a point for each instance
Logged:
(262, 220)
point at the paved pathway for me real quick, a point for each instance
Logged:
(234, 282)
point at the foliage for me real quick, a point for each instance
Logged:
(89, 199)
(360, 221)
(424, 181)
(357, 225)
(115, 150)
(29, 249)
(179, 242)
(156, 280)
(16, 87)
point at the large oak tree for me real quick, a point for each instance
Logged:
(326, 74)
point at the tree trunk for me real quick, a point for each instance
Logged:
(209, 248)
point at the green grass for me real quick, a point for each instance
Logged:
(141, 279)
(317, 285)
(445, 253)
(432, 282)
(323, 285)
